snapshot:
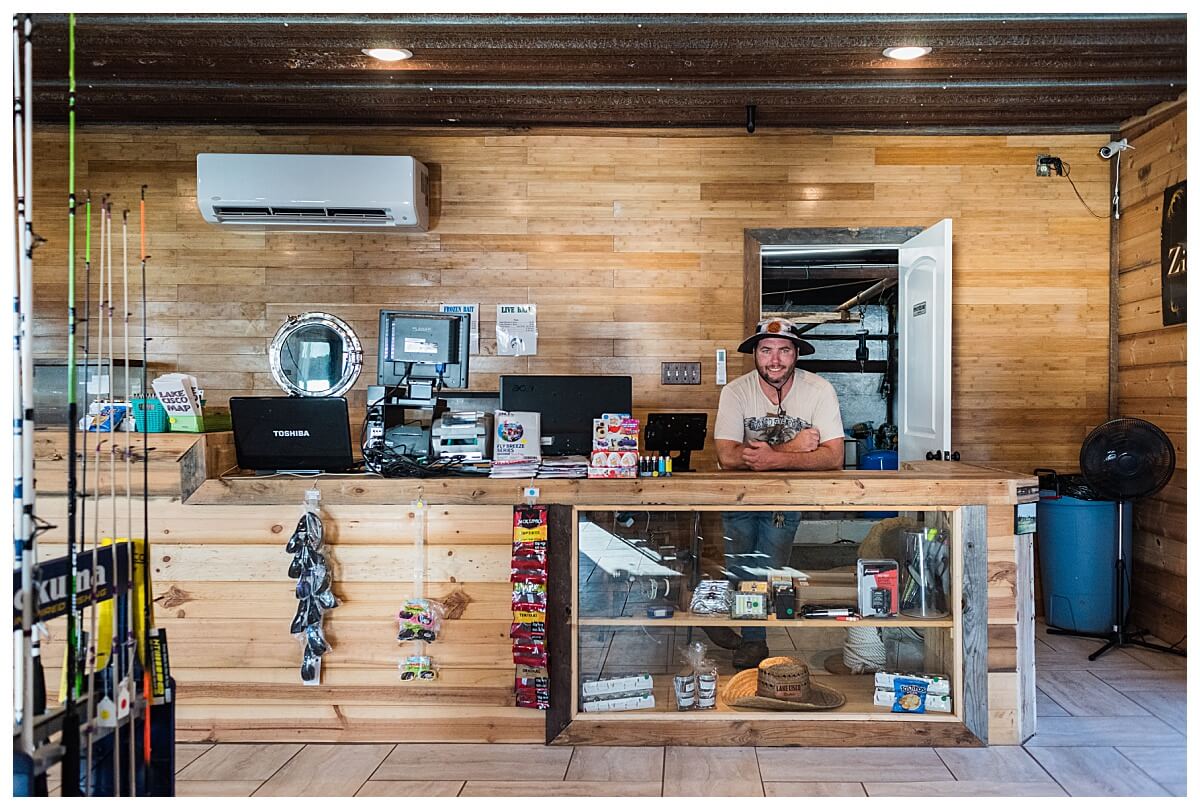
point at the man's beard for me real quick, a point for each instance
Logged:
(777, 383)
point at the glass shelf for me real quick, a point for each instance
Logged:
(631, 560)
(699, 620)
(859, 691)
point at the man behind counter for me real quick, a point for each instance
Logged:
(773, 418)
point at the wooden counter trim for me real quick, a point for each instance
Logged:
(734, 731)
(949, 485)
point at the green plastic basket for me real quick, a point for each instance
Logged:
(149, 416)
(211, 422)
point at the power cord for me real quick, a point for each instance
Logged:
(1067, 174)
(390, 463)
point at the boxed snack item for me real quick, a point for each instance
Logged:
(936, 684)
(612, 472)
(615, 431)
(619, 694)
(625, 704)
(608, 687)
(878, 588)
(613, 464)
(933, 703)
(753, 586)
(614, 458)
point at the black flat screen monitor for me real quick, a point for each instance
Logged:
(568, 404)
(291, 434)
(427, 346)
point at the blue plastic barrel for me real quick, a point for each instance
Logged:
(1077, 550)
(880, 460)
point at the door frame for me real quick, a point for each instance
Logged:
(755, 238)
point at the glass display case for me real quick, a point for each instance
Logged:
(766, 583)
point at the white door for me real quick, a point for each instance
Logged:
(923, 385)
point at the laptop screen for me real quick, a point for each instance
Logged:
(280, 434)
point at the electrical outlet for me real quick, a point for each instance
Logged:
(680, 373)
(1047, 165)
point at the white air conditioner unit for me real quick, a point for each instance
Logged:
(313, 192)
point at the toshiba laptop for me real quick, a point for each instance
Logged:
(292, 434)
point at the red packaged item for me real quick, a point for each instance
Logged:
(529, 631)
(533, 687)
(529, 524)
(529, 653)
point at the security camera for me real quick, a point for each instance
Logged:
(1113, 147)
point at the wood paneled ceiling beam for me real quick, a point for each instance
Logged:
(1082, 71)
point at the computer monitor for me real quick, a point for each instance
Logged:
(568, 404)
(291, 434)
(424, 346)
(676, 432)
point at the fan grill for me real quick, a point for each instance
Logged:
(1127, 458)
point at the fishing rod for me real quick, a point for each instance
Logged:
(22, 534)
(75, 661)
(126, 692)
(147, 665)
(70, 771)
(93, 637)
(114, 658)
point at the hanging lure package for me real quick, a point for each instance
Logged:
(530, 596)
(417, 668)
(696, 686)
(314, 589)
(420, 620)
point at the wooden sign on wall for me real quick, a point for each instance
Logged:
(1174, 255)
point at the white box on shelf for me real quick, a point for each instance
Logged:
(617, 686)
(625, 704)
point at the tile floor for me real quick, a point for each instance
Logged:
(1114, 727)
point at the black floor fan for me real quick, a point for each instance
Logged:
(1124, 459)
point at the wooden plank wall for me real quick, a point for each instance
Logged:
(630, 244)
(1152, 370)
(223, 595)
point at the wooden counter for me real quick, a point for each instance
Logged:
(223, 594)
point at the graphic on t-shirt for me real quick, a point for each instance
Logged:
(776, 429)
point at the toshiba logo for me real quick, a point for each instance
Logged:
(290, 432)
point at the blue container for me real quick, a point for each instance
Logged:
(880, 460)
(1077, 549)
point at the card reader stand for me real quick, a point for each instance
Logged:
(678, 433)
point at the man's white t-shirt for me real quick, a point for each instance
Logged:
(746, 413)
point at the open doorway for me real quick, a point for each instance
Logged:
(866, 298)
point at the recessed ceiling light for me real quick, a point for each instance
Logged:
(907, 52)
(388, 54)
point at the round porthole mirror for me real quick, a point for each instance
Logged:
(315, 355)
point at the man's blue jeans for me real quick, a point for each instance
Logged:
(758, 544)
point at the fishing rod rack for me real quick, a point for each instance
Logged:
(111, 741)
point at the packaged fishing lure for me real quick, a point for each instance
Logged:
(420, 620)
